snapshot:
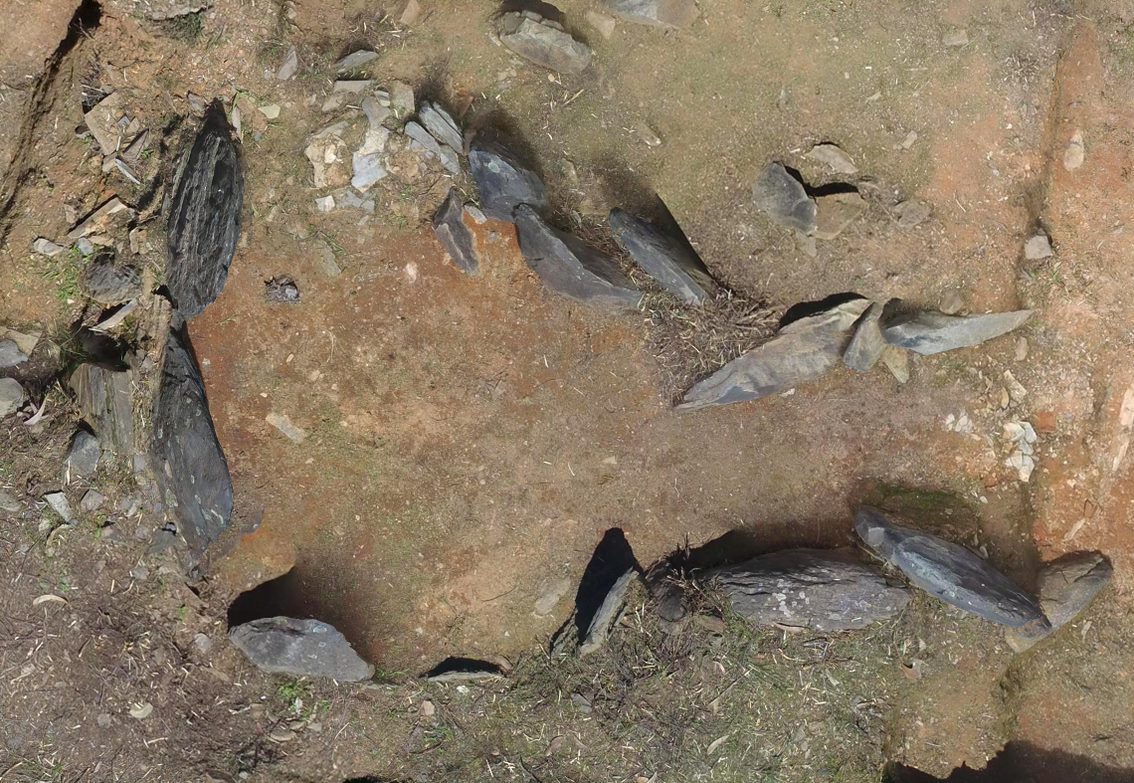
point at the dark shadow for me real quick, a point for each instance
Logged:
(831, 189)
(805, 309)
(459, 665)
(86, 346)
(1021, 762)
(623, 187)
(612, 558)
(742, 544)
(498, 126)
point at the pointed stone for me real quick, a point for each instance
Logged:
(825, 590)
(801, 351)
(948, 571)
(503, 182)
(783, 198)
(459, 242)
(867, 344)
(301, 648)
(1066, 587)
(607, 614)
(897, 361)
(659, 13)
(929, 332)
(85, 453)
(572, 268)
(665, 256)
(355, 60)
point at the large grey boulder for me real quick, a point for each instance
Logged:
(801, 351)
(457, 239)
(106, 399)
(825, 590)
(204, 216)
(948, 571)
(783, 198)
(543, 42)
(929, 332)
(301, 648)
(659, 13)
(188, 459)
(665, 255)
(1066, 587)
(503, 182)
(572, 268)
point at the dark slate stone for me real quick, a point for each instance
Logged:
(543, 42)
(783, 198)
(301, 648)
(503, 182)
(457, 239)
(188, 459)
(106, 399)
(867, 344)
(665, 256)
(82, 459)
(1066, 587)
(110, 283)
(947, 571)
(659, 13)
(929, 332)
(204, 217)
(441, 125)
(825, 590)
(571, 268)
(801, 351)
(10, 354)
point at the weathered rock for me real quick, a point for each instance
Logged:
(835, 212)
(425, 140)
(281, 290)
(289, 66)
(204, 216)
(11, 396)
(503, 182)
(897, 361)
(948, 571)
(188, 459)
(912, 213)
(1038, 247)
(833, 157)
(10, 354)
(601, 22)
(666, 256)
(92, 501)
(110, 283)
(99, 221)
(441, 125)
(161, 10)
(667, 594)
(459, 242)
(355, 60)
(543, 43)
(550, 597)
(1066, 587)
(929, 333)
(464, 670)
(106, 400)
(569, 267)
(25, 341)
(783, 198)
(61, 506)
(801, 351)
(45, 247)
(82, 460)
(401, 99)
(302, 648)
(867, 344)
(607, 614)
(660, 13)
(102, 122)
(367, 162)
(825, 590)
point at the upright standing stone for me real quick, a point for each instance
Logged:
(543, 42)
(106, 399)
(503, 182)
(457, 239)
(665, 256)
(783, 198)
(867, 344)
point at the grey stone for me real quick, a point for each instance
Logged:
(25, 341)
(667, 594)
(302, 648)
(543, 44)
(659, 13)
(666, 256)
(60, 505)
(84, 455)
(784, 199)
(110, 283)
(552, 594)
(459, 242)
(955, 38)
(948, 571)
(11, 396)
(1038, 247)
(10, 354)
(569, 267)
(835, 212)
(912, 213)
(204, 216)
(825, 590)
(897, 361)
(355, 60)
(45, 247)
(801, 351)
(929, 332)
(93, 500)
(503, 182)
(401, 99)
(9, 504)
(867, 344)
(443, 152)
(188, 460)
(281, 290)
(289, 66)
(607, 614)
(106, 400)
(1066, 587)
(441, 125)
(833, 157)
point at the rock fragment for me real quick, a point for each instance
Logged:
(867, 344)
(666, 255)
(1066, 587)
(912, 213)
(783, 198)
(289, 66)
(833, 157)
(9, 504)
(897, 361)
(301, 648)
(92, 501)
(281, 290)
(441, 125)
(928, 333)
(102, 122)
(503, 182)
(45, 247)
(10, 354)
(543, 42)
(423, 139)
(11, 396)
(286, 427)
(99, 221)
(1076, 152)
(835, 212)
(607, 614)
(1038, 247)
(106, 400)
(82, 459)
(355, 60)
(955, 38)
(459, 242)
(110, 283)
(60, 505)
(600, 22)
(659, 13)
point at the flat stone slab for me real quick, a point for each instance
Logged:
(204, 217)
(835, 212)
(82, 459)
(802, 351)
(659, 13)
(301, 648)
(106, 399)
(928, 332)
(667, 258)
(10, 354)
(572, 268)
(441, 125)
(457, 239)
(948, 571)
(503, 182)
(1066, 587)
(188, 459)
(825, 590)
(867, 344)
(544, 43)
(425, 140)
(110, 283)
(783, 198)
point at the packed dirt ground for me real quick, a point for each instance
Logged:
(468, 441)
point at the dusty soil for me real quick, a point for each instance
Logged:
(469, 440)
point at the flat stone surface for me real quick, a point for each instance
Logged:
(801, 351)
(929, 332)
(110, 283)
(459, 242)
(503, 182)
(667, 258)
(912, 213)
(11, 396)
(660, 13)
(10, 354)
(302, 648)
(825, 590)
(188, 460)
(205, 215)
(867, 344)
(355, 60)
(897, 361)
(61, 506)
(569, 267)
(1038, 247)
(607, 614)
(45, 247)
(541, 43)
(784, 199)
(106, 400)
(835, 212)
(948, 571)
(441, 125)
(82, 460)
(1066, 587)
(443, 152)
(833, 157)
